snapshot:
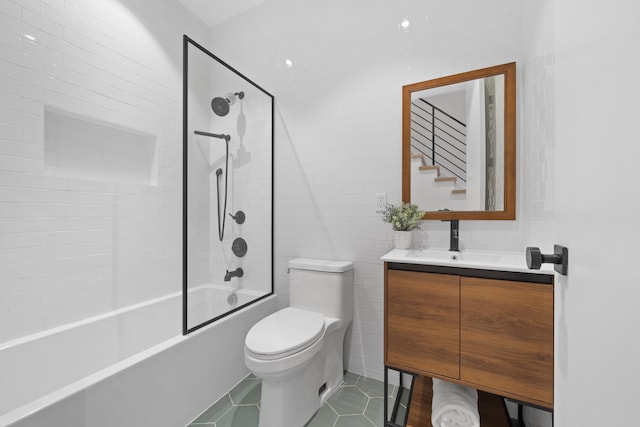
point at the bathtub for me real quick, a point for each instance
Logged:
(211, 301)
(128, 367)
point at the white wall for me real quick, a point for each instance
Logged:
(338, 124)
(248, 171)
(597, 64)
(537, 134)
(337, 142)
(249, 188)
(579, 55)
(69, 247)
(199, 158)
(537, 118)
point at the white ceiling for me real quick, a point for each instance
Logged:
(213, 12)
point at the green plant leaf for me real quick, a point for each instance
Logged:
(403, 217)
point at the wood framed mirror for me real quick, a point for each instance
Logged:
(459, 145)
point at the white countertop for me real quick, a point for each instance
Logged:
(501, 261)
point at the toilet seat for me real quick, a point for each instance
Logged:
(284, 333)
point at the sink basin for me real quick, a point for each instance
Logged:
(469, 256)
(494, 260)
(432, 254)
(489, 257)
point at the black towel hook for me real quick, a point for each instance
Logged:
(560, 258)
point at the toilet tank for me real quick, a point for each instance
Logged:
(323, 286)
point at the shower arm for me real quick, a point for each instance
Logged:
(227, 138)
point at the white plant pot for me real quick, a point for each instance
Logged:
(402, 239)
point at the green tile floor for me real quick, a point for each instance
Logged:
(359, 401)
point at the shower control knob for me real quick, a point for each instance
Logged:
(239, 217)
(239, 247)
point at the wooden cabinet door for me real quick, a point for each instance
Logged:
(422, 329)
(506, 338)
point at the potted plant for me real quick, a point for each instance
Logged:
(403, 218)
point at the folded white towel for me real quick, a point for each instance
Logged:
(454, 405)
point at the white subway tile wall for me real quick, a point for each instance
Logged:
(338, 126)
(71, 247)
(538, 124)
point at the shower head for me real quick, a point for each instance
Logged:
(221, 104)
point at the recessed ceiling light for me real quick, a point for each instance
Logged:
(405, 23)
(288, 63)
(29, 37)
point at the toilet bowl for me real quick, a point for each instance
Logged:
(284, 341)
(298, 351)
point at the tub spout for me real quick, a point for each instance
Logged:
(235, 273)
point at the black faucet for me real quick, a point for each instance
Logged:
(454, 238)
(235, 273)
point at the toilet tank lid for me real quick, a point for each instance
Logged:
(320, 265)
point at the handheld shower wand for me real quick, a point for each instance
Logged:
(223, 215)
(221, 106)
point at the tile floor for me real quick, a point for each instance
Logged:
(357, 402)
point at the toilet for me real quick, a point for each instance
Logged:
(298, 351)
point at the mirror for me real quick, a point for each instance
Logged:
(459, 145)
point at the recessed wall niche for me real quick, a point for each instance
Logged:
(86, 148)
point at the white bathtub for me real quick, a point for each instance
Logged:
(130, 367)
(211, 301)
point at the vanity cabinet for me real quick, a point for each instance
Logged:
(490, 330)
(506, 338)
(423, 322)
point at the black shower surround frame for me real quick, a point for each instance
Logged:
(185, 132)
